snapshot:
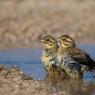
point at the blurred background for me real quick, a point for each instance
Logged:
(24, 22)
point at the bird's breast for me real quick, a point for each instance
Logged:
(47, 61)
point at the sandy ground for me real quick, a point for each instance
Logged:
(14, 82)
(24, 22)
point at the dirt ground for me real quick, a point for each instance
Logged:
(24, 22)
(14, 82)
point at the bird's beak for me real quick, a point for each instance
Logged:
(58, 40)
(42, 40)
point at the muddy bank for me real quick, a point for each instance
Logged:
(10, 87)
(14, 82)
(13, 73)
(23, 23)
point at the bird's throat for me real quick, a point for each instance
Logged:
(51, 51)
(63, 50)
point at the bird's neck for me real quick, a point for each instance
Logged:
(64, 50)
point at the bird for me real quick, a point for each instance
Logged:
(68, 47)
(49, 56)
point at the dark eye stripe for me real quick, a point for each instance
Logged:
(67, 40)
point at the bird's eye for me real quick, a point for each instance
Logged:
(64, 39)
(47, 39)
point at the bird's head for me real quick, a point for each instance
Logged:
(65, 41)
(49, 42)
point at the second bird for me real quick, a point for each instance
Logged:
(68, 47)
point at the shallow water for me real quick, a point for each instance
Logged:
(28, 60)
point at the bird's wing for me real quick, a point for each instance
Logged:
(82, 57)
(71, 66)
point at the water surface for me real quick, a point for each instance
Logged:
(26, 59)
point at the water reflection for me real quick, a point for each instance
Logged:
(71, 87)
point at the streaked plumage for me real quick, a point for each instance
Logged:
(70, 66)
(57, 64)
(49, 55)
(49, 52)
(68, 46)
